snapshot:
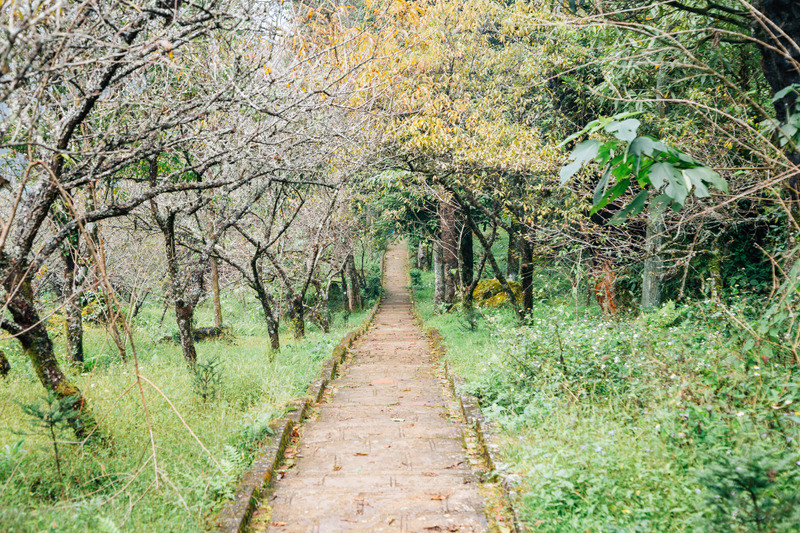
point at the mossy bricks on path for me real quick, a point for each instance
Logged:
(383, 453)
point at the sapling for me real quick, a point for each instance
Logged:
(52, 413)
(207, 378)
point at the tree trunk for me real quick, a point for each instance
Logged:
(449, 233)
(29, 329)
(322, 315)
(653, 264)
(5, 366)
(297, 316)
(487, 248)
(467, 253)
(422, 256)
(526, 271)
(72, 303)
(345, 293)
(184, 316)
(265, 299)
(438, 276)
(215, 292)
(514, 249)
(184, 304)
(780, 58)
(353, 288)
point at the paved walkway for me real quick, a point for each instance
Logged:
(383, 454)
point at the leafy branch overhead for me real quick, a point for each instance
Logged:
(628, 159)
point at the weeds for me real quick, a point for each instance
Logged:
(113, 489)
(659, 422)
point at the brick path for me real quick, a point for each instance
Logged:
(383, 454)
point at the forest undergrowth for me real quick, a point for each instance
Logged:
(655, 422)
(206, 424)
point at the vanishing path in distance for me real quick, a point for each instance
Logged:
(383, 454)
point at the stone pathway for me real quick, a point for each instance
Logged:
(383, 453)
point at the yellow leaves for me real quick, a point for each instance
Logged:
(267, 71)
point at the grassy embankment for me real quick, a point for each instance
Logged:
(111, 489)
(648, 423)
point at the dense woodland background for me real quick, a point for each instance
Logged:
(601, 204)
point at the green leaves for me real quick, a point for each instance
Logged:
(624, 130)
(629, 158)
(585, 151)
(788, 132)
(785, 91)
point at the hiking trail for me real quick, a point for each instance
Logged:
(383, 452)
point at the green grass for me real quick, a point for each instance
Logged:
(114, 488)
(650, 423)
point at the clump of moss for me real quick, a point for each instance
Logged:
(489, 293)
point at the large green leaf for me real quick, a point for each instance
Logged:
(676, 190)
(585, 151)
(660, 173)
(642, 145)
(624, 130)
(706, 175)
(694, 177)
(601, 188)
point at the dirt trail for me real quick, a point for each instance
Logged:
(383, 453)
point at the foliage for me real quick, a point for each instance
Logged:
(416, 277)
(753, 492)
(207, 378)
(649, 423)
(52, 413)
(100, 484)
(630, 158)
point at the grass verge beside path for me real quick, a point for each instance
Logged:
(115, 489)
(650, 423)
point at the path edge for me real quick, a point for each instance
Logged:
(235, 515)
(468, 406)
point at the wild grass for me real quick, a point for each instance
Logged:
(201, 447)
(656, 422)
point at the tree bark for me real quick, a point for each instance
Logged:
(653, 264)
(423, 260)
(780, 59)
(267, 303)
(271, 319)
(345, 293)
(29, 329)
(184, 316)
(438, 275)
(449, 233)
(182, 299)
(515, 244)
(72, 303)
(467, 252)
(526, 271)
(5, 366)
(353, 288)
(215, 292)
(297, 316)
(322, 311)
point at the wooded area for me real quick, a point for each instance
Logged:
(602, 197)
